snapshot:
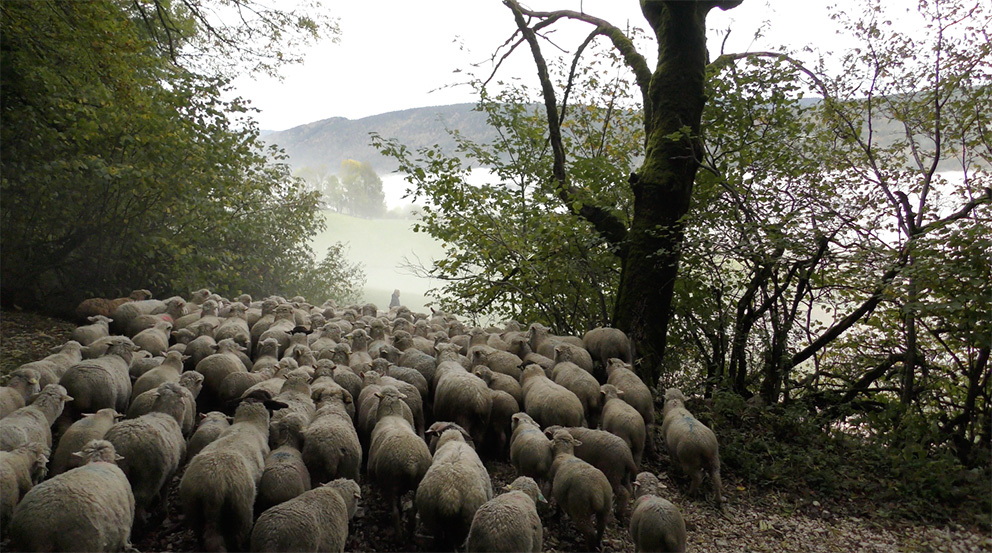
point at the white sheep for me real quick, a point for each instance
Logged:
(509, 522)
(33, 423)
(23, 384)
(20, 469)
(580, 489)
(691, 443)
(655, 523)
(93, 426)
(624, 421)
(316, 520)
(89, 508)
(99, 327)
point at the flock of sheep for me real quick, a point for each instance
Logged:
(278, 408)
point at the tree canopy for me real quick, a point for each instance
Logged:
(124, 168)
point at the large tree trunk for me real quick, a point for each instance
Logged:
(663, 185)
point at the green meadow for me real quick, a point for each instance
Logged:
(382, 246)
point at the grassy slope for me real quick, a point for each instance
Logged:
(381, 246)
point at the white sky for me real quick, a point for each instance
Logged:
(398, 54)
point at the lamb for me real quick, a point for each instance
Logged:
(284, 476)
(509, 522)
(211, 426)
(549, 403)
(167, 371)
(100, 383)
(463, 398)
(99, 327)
(313, 521)
(191, 384)
(655, 524)
(635, 392)
(89, 508)
(398, 457)
(452, 490)
(580, 489)
(581, 383)
(530, 450)
(20, 469)
(218, 488)
(33, 423)
(93, 426)
(693, 445)
(152, 446)
(105, 307)
(331, 448)
(51, 368)
(20, 387)
(610, 454)
(604, 343)
(624, 421)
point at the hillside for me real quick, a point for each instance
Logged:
(333, 140)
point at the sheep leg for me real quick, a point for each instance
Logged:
(697, 479)
(600, 528)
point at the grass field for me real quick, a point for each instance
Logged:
(381, 245)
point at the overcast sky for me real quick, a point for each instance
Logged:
(398, 54)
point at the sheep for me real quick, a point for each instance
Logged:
(496, 438)
(20, 469)
(509, 522)
(197, 350)
(500, 381)
(174, 309)
(692, 444)
(580, 489)
(285, 475)
(313, 521)
(93, 426)
(152, 446)
(51, 368)
(604, 343)
(99, 327)
(218, 488)
(623, 420)
(267, 355)
(167, 371)
(530, 450)
(581, 383)
(215, 369)
(520, 346)
(452, 490)
(235, 327)
(208, 321)
(33, 423)
(499, 361)
(265, 320)
(463, 398)
(398, 457)
(610, 454)
(423, 363)
(295, 393)
(105, 307)
(655, 523)
(142, 362)
(210, 427)
(282, 327)
(102, 382)
(549, 403)
(359, 360)
(22, 385)
(324, 382)
(543, 342)
(191, 384)
(635, 392)
(331, 448)
(127, 312)
(237, 383)
(412, 377)
(90, 508)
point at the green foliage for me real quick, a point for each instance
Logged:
(514, 249)
(120, 171)
(791, 449)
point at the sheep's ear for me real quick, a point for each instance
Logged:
(202, 416)
(540, 497)
(378, 394)
(402, 395)
(619, 393)
(77, 454)
(347, 397)
(576, 442)
(88, 414)
(118, 416)
(118, 457)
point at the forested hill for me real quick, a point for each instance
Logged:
(330, 141)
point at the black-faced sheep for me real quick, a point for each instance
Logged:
(452, 490)
(655, 523)
(580, 489)
(509, 522)
(691, 443)
(89, 508)
(313, 521)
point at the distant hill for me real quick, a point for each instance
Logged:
(333, 140)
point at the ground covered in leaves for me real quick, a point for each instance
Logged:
(757, 518)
